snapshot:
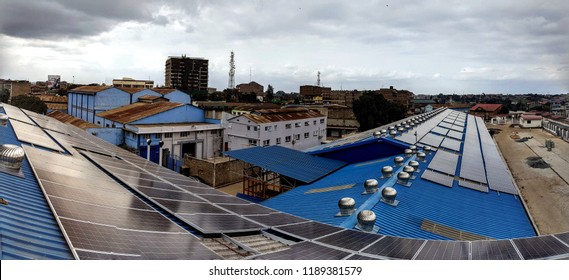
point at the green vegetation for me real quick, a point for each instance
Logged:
(29, 102)
(373, 110)
(4, 95)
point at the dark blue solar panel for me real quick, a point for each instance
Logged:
(288, 162)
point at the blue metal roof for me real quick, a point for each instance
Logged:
(27, 226)
(288, 162)
(494, 215)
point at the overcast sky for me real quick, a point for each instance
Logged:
(505, 46)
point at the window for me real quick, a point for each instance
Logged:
(297, 137)
(306, 123)
(315, 133)
(158, 135)
(184, 134)
(266, 143)
(255, 128)
(275, 127)
(287, 139)
(278, 141)
(321, 120)
(168, 135)
(297, 124)
(248, 128)
(252, 142)
(288, 125)
(214, 132)
(306, 134)
(268, 128)
(314, 122)
(114, 126)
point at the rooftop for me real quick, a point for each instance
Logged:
(137, 111)
(77, 196)
(486, 107)
(91, 89)
(68, 119)
(280, 115)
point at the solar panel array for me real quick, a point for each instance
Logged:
(121, 216)
(473, 185)
(34, 135)
(472, 165)
(499, 178)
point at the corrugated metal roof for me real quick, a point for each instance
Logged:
(52, 98)
(27, 226)
(490, 214)
(163, 91)
(131, 90)
(137, 111)
(65, 118)
(486, 107)
(279, 115)
(288, 162)
(90, 88)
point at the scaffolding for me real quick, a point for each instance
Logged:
(262, 183)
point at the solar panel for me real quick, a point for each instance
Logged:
(494, 250)
(395, 247)
(171, 195)
(445, 125)
(563, 237)
(305, 251)
(90, 255)
(190, 207)
(540, 247)
(444, 162)
(432, 140)
(216, 223)
(448, 120)
(444, 250)
(308, 230)
(276, 219)
(247, 209)
(472, 165)
(440, 130)
(455, 134)
(361, 258)
(438, 178)
(473, 185)
(126, 218)
(350, 239)
(149, 245)
(499, 178)
(457, 128)
(34, 135)
(451, 144)
(223, 199)
(17, 114)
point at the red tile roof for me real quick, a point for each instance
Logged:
(486, 107)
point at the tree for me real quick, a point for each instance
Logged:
(373, 110)
(4, 95)
(29, 102)
(270, 93)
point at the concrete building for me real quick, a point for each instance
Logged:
(54, 102)
(557, 127)
(314, 94)
(530, 120)
(403, 97)
(132, 83)
(252, 87)
(296, 128)
(188, 74)
(342, 97)
(16, 87)
(215, 109)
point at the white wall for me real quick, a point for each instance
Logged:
(240, 130)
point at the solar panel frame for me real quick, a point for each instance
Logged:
(308, 230)
(432, 140)
(455, 134)
(34, 135)
(440, 130)
(445, 162)
(444, 250)
(494, 250)
(445, 125)
(395, 247)
(472, 165)
(439, 178)
(350, 239)
(451, 144)
(541, 247)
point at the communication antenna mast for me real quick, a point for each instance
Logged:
(231, 71)
(318, 80)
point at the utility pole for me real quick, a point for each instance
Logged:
(231, 84)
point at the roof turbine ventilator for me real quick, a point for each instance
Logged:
(11, 158)
(415, 165)
(4, 119)
(408, 152)
(392, 133)
(421, 156)
(366, 221)
(376, 134)
(398, 160)
(386, 171)
(409, 169)
(403, 179)
(413, 148)
(427, 149)
(388, 195)
(370, 186)
(347, 206)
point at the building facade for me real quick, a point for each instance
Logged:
(314, 94)
(251, 87)
(403, 97)
(188, 74)
(132, 83)
(485, 111)
(295, 128)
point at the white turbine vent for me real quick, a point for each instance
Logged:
(388, 195)
(398, 160)
(4, 119)
(370, 186)
(387, 171)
